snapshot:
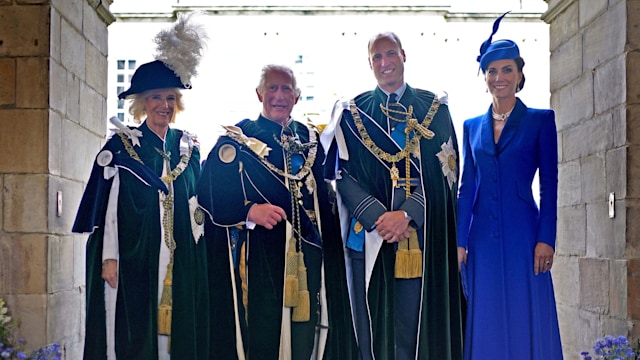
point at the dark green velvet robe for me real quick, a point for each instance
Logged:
(222, 190)
(440, 327)
(139, 246)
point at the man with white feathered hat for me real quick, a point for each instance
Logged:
(146, 270)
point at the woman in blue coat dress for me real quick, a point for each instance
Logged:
(505, 241)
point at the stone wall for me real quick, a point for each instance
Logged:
(595, 92)
(53, 66)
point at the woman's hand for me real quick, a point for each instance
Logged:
(462, 257)
(542, 258)
(110, 272)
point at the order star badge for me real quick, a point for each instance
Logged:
(449, 162)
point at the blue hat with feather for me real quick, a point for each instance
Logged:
(498, 50)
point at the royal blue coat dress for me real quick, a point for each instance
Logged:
(511, 312)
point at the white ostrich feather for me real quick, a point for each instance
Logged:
(181, 47)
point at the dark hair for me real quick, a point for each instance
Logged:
(520, 64)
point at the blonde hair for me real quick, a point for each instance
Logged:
(137, 110)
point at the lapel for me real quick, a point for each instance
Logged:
(509, 131)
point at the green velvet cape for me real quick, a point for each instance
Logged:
(440, 328)
(222, 191)
(139, 246)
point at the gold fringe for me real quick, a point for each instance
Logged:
(302, 312)
(291, 280)
(409, 258)
(244, 282)
(166, 303)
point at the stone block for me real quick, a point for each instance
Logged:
(572, 235)
(565, 63)
(619, 126)
(64, 315)
(590, 9)
(594, 284)
(31, 310)
(633, 30)
(95, 29)
(70, 10)
(573, 103)
(605, 37)
(24, 31)
(632, 229)
(71, 193)
(25, 203)
(588, 328)
(609, 84)
(23, 141)
(587, 138)
(616, 170)
(564, 27)
(618, 291)
(632, 79)
(92, 109)
(565, 276)
(593, 177)
(633, 283)
(73, 49)
(569, 333)
(601, 242)
(80, 157)
(569, 193)
(55, 143)
(55, 42)
(97, 69)
(32, 83)
(8, 83)
(633, 171)
(73, 98)
(58, 89)
(26, 256)
(60, 260)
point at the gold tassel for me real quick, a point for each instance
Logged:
(244, 280)
(409, 258)
(166, 303)
(302, 312)
(291, 286)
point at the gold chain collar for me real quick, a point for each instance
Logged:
(304, 170)
(173, 174)
(411, 144)
(421, 130)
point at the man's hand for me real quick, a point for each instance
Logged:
(110, 272)
(393, 226)
(266, 215)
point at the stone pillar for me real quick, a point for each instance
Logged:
(53, 88)
(595, 90)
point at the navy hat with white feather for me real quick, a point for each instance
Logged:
(178, 53)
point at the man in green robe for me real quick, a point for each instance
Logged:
(278, 289)
(146, 266)
(393, 154)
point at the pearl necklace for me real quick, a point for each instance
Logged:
(501, 117)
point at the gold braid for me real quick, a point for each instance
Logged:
(420, 129)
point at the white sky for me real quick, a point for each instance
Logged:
(440, 56)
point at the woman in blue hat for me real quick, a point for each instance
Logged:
(505, 241)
